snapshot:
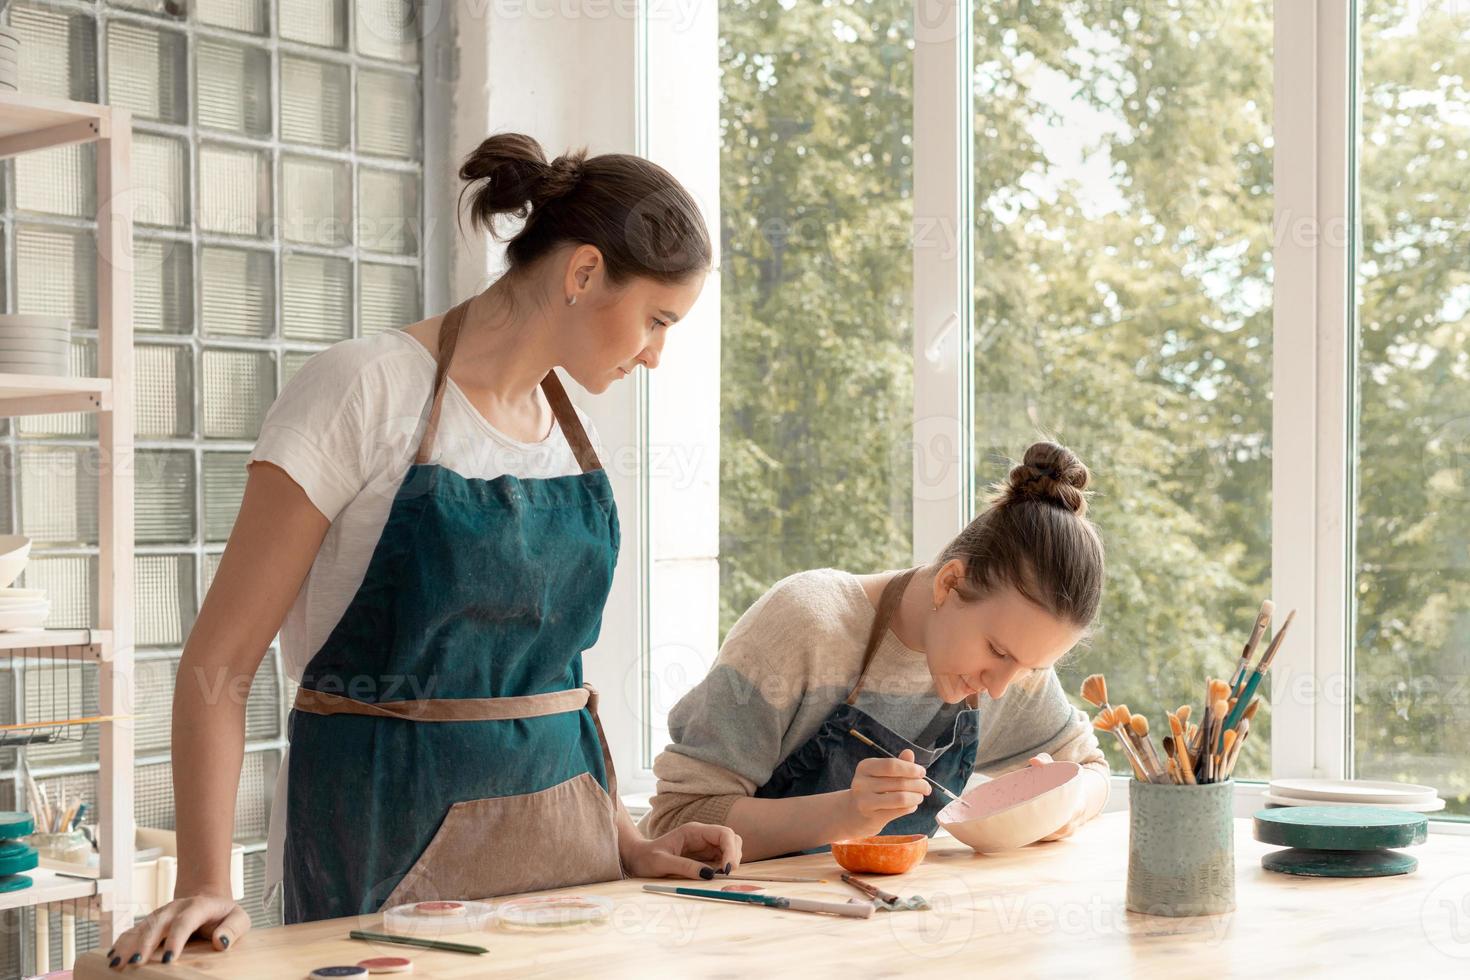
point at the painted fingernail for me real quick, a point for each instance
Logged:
(706, 873)
(115, 961)
(135, 958)
(727, 867)
(111, 951)
(168, 956)
(224, 941)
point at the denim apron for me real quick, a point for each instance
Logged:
(443, 744)
(826, 762)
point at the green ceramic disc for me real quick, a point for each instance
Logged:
(1339, 864)
(13, 825)
(1340, 828)
(16, 857)
(14, 883)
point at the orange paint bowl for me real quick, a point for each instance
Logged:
(884, 855)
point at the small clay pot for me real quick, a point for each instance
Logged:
(884, 855)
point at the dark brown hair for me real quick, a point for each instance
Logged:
(1036, 538)
(634, 211)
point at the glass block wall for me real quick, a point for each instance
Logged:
(278, 172)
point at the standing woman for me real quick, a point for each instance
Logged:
(428, 526)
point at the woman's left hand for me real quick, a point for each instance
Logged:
(1078, 819)
(691, 850)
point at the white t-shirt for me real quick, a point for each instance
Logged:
(344, 429)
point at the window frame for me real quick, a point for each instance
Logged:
(1314, 77)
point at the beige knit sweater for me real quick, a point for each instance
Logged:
(789, 661)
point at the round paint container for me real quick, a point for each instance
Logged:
(549, 912)
(387, 964)
(336, 972)
(431, 919)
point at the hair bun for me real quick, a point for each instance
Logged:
(1048, 473)
(517, 178)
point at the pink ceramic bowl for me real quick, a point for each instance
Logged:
(1016, 809)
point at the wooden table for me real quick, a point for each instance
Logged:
(1049, 910)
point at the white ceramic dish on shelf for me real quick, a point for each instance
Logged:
(15, 549)
(26, 620)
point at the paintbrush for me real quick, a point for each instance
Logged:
(1254, 681)
(852, 910)
(1240, 736)
(874, 745)
(886, 900)
(1122, 717)
(1263, 619)
(1094, 691)
(388, 937)
(1185, 769)
(775, 878)
(1139, 725)
(1107, 720)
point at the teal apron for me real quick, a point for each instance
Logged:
(443, 744)
(826, 762)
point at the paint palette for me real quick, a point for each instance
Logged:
(548, 912)
(429, 920)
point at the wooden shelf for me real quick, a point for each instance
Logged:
(41, 394)
(57, 644)
(35, 122)
(48, 886)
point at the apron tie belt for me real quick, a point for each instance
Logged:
(447, 709)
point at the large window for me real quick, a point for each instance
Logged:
(1411, 587)
(816, 186)
(1215, 246)
(1122, 291)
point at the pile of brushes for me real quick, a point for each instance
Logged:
(1200, 753)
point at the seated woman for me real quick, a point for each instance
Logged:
(948, 666)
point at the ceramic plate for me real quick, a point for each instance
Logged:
(1429, 807)
(1365, 791)
(23, 620)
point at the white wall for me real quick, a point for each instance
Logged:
(568, 72)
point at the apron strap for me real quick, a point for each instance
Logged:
(892, 593)
(561, 406)
(445, 709)
(571, 423)
(448, 339)
(469, 709)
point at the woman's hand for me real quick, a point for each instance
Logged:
(217, 918)
(1077, 819)
(882, 791)
(691, 850)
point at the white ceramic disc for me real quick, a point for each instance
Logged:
(1429, 807)
(29, 619)
(1365, 791)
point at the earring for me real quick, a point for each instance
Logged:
(571, 301)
